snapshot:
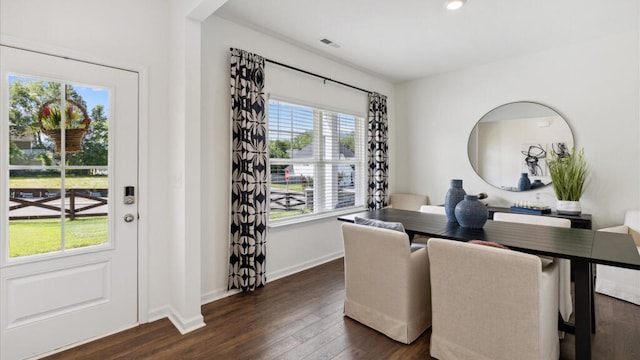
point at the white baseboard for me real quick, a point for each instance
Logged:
(183, 325)
(186, 325)
(303, 266)
(212, 296)
(222, 293)
(158, 313)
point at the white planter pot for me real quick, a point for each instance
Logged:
(565, 207)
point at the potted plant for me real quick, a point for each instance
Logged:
(568, 174)
(76, 123)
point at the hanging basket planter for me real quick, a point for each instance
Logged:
(76, 124)
(72, 139)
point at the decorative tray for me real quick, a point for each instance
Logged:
(531, 210)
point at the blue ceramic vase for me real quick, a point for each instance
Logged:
(455, 194)
(471, 213)
(524, 183)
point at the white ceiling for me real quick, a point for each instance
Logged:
(402, 40)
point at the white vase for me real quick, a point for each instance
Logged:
(565, 207)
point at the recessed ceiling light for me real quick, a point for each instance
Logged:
(454, 4)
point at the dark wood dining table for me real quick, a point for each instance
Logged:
(583, 247)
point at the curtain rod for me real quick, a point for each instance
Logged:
(319, 76)
(316, 75)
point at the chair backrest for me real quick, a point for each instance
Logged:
(565, 305)
(433, 209)
(488, 300)
(373, 257)
(632, 220)
(532, 219)
(369, 241)
(408, 201)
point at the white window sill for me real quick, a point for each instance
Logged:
(288, 222)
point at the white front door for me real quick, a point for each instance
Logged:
(68, 234)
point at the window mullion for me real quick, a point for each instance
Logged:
(360, 137)
(319, 197)
(332, 152)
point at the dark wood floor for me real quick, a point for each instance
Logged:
(300, 317)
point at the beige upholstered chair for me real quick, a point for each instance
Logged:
(433, 209)
(386, 285)
(619, 282)
(565, 305)
(491, 303)
(407, 201)
(532, 219)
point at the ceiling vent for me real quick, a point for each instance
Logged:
(330, 43)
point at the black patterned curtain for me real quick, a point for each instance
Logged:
(377, 154)
(249, 183)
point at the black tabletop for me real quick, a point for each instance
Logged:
(568, 243)
(615, 249)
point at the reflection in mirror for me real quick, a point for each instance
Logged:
(516, 139)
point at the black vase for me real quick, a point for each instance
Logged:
(471, 213)
(455, 194)
(537, 184)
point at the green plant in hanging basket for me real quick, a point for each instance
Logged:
(76, 124)
(50, 115)
(568, 174)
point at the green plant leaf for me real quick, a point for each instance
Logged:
(568, 175)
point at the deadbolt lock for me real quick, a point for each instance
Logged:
(129, 195)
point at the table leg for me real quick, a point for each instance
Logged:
(592, 292)
(583, 299)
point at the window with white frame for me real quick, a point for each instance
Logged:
(317, 160)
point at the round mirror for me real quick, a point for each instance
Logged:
(511, 143)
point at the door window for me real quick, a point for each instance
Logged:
(58, 166)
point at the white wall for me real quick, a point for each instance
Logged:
(183, 163)
(593, 85)
(290, 248)
(112, 33)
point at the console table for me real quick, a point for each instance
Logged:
(582, 221)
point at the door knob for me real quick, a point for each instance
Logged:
(129, 218)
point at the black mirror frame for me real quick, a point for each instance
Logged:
(473, 130)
